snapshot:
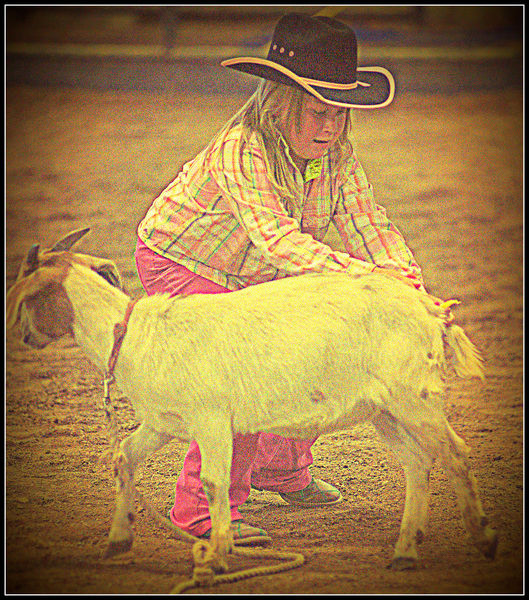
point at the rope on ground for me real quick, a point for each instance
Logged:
(203, 577)
(203, 573)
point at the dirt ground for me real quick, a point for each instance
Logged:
(449, 172)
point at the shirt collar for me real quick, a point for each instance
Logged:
(314, 165)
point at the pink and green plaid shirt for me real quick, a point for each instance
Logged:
(232, 228)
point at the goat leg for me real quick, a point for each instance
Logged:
(455, 460)
(121, 535)
(417, 464)
(133, 450)
(413, 523)
(216, 454)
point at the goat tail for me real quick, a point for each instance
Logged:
(468, 360)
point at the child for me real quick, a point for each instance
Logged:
(254, 206)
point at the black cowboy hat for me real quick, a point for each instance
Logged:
(319, 54)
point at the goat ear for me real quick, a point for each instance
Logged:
(31, 262)
(15, 296)
(18, 292)
(69, 240)
(108, 271)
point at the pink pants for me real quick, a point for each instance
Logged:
(265, 460)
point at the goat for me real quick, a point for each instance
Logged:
(298, 356)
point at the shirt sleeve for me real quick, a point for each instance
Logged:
(365, 229)
(260, 212)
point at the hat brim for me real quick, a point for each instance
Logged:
(375, 87)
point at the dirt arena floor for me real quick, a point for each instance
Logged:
(449, 172)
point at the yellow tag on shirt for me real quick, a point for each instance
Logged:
(313, 169)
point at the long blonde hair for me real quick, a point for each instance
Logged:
(260, 116)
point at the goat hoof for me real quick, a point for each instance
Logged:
(220, 567)
(490, 545)
(115, 548)
(403, 563)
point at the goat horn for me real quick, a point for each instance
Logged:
(69, 240)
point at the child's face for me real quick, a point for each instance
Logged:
(320, 125)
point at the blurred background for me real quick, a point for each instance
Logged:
(226, 24)
(148, 46)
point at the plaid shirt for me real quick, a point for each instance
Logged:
(232, 228)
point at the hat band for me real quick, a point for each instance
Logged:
(312, 88)
(334, 86)
(303, 80)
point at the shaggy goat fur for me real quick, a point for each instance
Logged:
(299, 357)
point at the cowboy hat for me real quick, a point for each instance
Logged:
(319, 54)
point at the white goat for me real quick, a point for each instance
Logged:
(299, 357)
